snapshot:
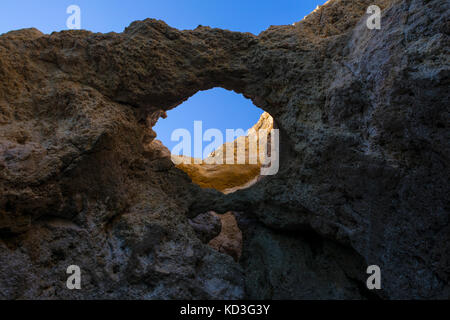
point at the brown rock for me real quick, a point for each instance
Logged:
(216, 172)
(229, 241)
(363, 119)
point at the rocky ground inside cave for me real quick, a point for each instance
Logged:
(364, 176)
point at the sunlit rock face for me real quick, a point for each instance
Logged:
(363, 119)
(231, 171)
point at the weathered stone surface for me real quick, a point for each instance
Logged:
(229, 241)
(364, 124)
(122, 223)
(207, 226)
(283, 265)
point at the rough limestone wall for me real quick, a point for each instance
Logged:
(363, 116)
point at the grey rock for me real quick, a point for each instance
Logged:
(364, 122)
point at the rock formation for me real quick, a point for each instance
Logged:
(224, 172)
(207, 226)
(229, 241)
(364, 122)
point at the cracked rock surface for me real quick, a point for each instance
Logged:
(364, 122)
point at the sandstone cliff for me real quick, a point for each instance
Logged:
(363, 179)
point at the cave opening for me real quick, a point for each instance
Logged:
(220, 139)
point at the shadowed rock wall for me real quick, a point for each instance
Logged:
(363, 178)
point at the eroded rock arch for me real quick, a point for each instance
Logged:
(365, 177)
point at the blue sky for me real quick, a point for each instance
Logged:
(217, 108)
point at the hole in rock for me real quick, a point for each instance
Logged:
(221, 140)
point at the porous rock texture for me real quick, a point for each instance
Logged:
(229, 241)
(207, 226)
(363, 179)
